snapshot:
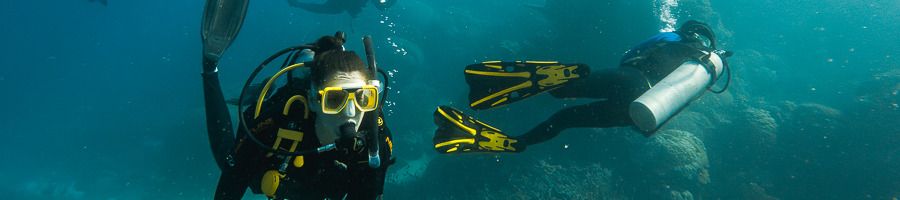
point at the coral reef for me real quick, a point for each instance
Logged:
(809, 132)
(490, 177)
(679, 195)
(691, 121)
(758, 130)
(809, 122)
(880, 97)
(564, 182)
(755, 191)
(673, 158)
(406, 171)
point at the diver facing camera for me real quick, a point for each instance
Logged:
(320, 136)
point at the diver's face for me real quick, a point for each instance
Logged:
(327, 125)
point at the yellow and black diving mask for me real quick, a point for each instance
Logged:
(335, 99)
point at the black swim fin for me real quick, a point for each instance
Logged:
(222, 20)
(497, 83)
(458, 132)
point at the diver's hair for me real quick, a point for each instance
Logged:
(330, 62)
(329, 43)
(693, 26)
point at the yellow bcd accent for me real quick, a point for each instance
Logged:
(262, 94)
(390, 144)
(298, 162)
(270, 181)
(286, 134)
(287, 106)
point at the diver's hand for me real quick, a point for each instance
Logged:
(209, 65)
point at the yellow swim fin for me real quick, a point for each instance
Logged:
(458, 132)
(497, 83)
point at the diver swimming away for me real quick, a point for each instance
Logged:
(316, 137)
(352, 7)
(654, 81)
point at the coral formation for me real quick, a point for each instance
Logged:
(407, 171)
(564, 182)
(680, 195)
(488, 177)
(675, 157)
(759, 129)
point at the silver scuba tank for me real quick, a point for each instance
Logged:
(674, 92)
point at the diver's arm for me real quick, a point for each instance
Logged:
(218, 121)
(233, 181)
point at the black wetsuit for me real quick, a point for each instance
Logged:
(643, 66)
(339, 174)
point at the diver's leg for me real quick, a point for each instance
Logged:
(218, 121)
(617, 87)
(621, 82)
(599, 114)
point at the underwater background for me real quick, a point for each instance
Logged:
(105, 101)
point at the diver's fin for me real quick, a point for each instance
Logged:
(458, 132)
(222, 20)
(497, 83)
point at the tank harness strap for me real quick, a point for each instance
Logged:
(272, 178)
(709, 66)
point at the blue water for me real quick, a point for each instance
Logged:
(105, 102)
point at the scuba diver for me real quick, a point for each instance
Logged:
(653, 82)
(352, 7)
(320, 136)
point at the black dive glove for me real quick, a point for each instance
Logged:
(209, 65)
